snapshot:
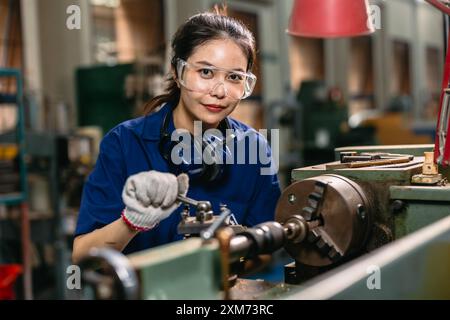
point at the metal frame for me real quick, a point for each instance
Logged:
(21, 197)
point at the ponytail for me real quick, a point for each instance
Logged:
(172, 95)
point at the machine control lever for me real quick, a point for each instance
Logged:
(204, 206)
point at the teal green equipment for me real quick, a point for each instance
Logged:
(101, 96)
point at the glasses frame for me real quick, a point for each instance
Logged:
(181, 64)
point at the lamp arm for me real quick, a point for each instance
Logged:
(439, 5)
(442, 144)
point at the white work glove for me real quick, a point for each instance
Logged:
(150, 197)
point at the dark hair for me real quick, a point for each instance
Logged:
(196, 31)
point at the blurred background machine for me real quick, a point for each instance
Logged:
(370, 203)
(324, 123)
(121, 89)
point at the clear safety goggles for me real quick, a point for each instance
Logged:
(205, 79)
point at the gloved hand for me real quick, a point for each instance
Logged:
(150, 197)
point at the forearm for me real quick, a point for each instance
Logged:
(116, 235)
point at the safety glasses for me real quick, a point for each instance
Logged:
(206, 79)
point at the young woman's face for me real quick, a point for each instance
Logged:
(213, 106)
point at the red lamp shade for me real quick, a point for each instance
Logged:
(330, 18)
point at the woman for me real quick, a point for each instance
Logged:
(129, 201)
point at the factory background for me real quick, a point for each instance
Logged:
(87, 65)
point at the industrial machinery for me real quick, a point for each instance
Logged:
(361, 205)
(330, 215)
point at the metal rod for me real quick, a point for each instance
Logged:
(209, 233)
(26, 252)
(187, 200)
(443, 126)
(446, 26)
